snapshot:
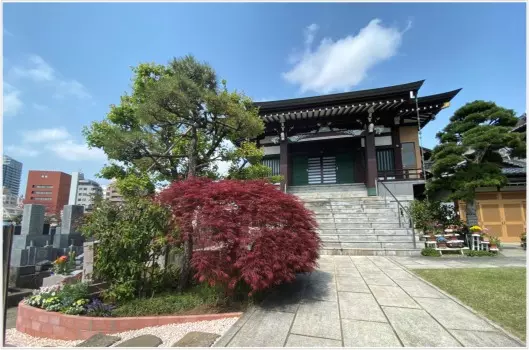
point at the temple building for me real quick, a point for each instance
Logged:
(355, 137)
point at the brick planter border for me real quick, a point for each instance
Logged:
(47, 324)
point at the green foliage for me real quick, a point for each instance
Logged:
(467, 156)
(479, 253)
(431, 216)
(118, 292)
(68, 299)
(173, 124)
(71, 293)
(430, 252)
(171, 303)
(246, 164)
(132, 237)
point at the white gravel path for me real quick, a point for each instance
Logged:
(169, 334)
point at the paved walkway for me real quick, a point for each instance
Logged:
(361, 302)
(508, 258)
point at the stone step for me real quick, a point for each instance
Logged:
(353, 245)
(356, 216)
(327, 196)
(352, 221)
(371, 252)
(368, 238)
(327, 187)
(365, 231)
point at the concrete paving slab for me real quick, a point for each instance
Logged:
(318, 319)
(321, 286)
(264, 328)
(347, 271)
(377, 279)
(453, 316)
(351, 284)
(417, 288)
(484, 339)
(360, 306)
(368, 334)
(399, 274)
(302, 341)
(392, 296)
(416, 328)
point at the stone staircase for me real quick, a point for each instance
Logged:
(353, 223)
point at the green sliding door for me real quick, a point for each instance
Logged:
(345, 168)
(299, 170)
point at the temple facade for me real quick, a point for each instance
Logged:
(349, 138)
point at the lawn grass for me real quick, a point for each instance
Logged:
(200, 299)
(496, 293)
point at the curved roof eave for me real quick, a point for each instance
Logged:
(304, 102)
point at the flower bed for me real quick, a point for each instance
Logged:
(47, 324)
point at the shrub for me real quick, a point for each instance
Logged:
(243, 231)
(72, 299)
(97, 308)
(479, 253)
(430, 252)
(132, 237)
(433, 216)
(170, 303)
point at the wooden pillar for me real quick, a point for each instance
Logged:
(283, 163)
(397, 151)
(371, 164)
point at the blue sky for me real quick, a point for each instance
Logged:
(64, 64)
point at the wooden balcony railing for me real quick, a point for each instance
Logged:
(400, 174)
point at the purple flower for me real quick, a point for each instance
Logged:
(97, 308)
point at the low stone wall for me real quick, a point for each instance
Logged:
(45, 324)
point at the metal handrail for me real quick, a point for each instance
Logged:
(405, 210)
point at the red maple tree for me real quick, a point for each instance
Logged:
(243, 231)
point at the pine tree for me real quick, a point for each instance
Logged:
(467, 156)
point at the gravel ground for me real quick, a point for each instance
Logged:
(169, 334)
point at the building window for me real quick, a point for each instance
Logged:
(409, 160)
(41, 192)
(41, 198)
(42, 186)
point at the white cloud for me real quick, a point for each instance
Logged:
(71, 150)
(38, 70)
(341, 64)
(21, 151)
(71, 87)
(57, 140)
(45, 135)
(12, 103)
(40, 107)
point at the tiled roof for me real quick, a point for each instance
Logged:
(513, 171)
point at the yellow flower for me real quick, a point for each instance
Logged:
(475, 228)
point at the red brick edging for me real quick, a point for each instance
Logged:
(54, 325)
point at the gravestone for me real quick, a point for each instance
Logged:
(33, 246)
(68, 234)
(88, 261)
(33, 219)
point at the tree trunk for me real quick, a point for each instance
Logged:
(472, 218)
(185, 271)
(192, 162)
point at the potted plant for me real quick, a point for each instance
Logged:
(494, 242)
(64, 264)
(475, 229)
(441, 242)
(523, 240)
